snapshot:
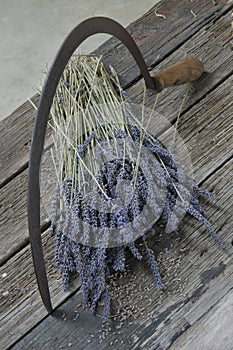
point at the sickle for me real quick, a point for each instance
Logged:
(180, 73)
(81, 32)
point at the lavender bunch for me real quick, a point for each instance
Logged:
(99, 145)
(94, 265)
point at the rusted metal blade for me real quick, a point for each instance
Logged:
(81, 32)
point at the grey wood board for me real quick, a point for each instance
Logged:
(19, 304)
(212, 45)
(16, 133)
(158, 37)
(13, 216)
(205, 272)
(16, 130)
(206, 130)
(213, 331)
(196, 281)
(21, 307)
(213, 113)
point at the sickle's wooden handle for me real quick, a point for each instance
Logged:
(179, 73)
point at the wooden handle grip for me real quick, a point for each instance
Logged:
(179, 73)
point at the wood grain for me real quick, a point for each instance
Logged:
(156, 38)
(20, 303)
(205, 126)
(13, 216)
(16, 133)
(219, 219)
(213, 330)
(209, 45)
(206, 130)
(197, 273)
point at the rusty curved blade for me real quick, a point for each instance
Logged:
(81, 32)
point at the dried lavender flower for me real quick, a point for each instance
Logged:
(102, 153)
(134, 250)
(154, 267)
(119, 261)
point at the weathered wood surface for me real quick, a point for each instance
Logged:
(16, 133)
(13, 213)
(21, 306)
(157, 38)
(22, 261)
(217, 49)
(212, 45)
(204, 334)
(211, 120)
(147, 319)
(197, 274)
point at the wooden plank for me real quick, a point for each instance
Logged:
(179, 321)
(13, 216)
(213, 47)
(16, 133)
(156, 37)
(20, 303)
(197, 276)
(13, 267)
(206, 130)
(26, 312)
(214, 104)
(213, 331)
(62, 330)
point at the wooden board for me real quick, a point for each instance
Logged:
(215, 327)
(157, 37)
(197, 274)
(156, 40)
(13, 214)
(209, 45)
(20, 303)
(16, 133)
(168, 104)
(197, 156)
